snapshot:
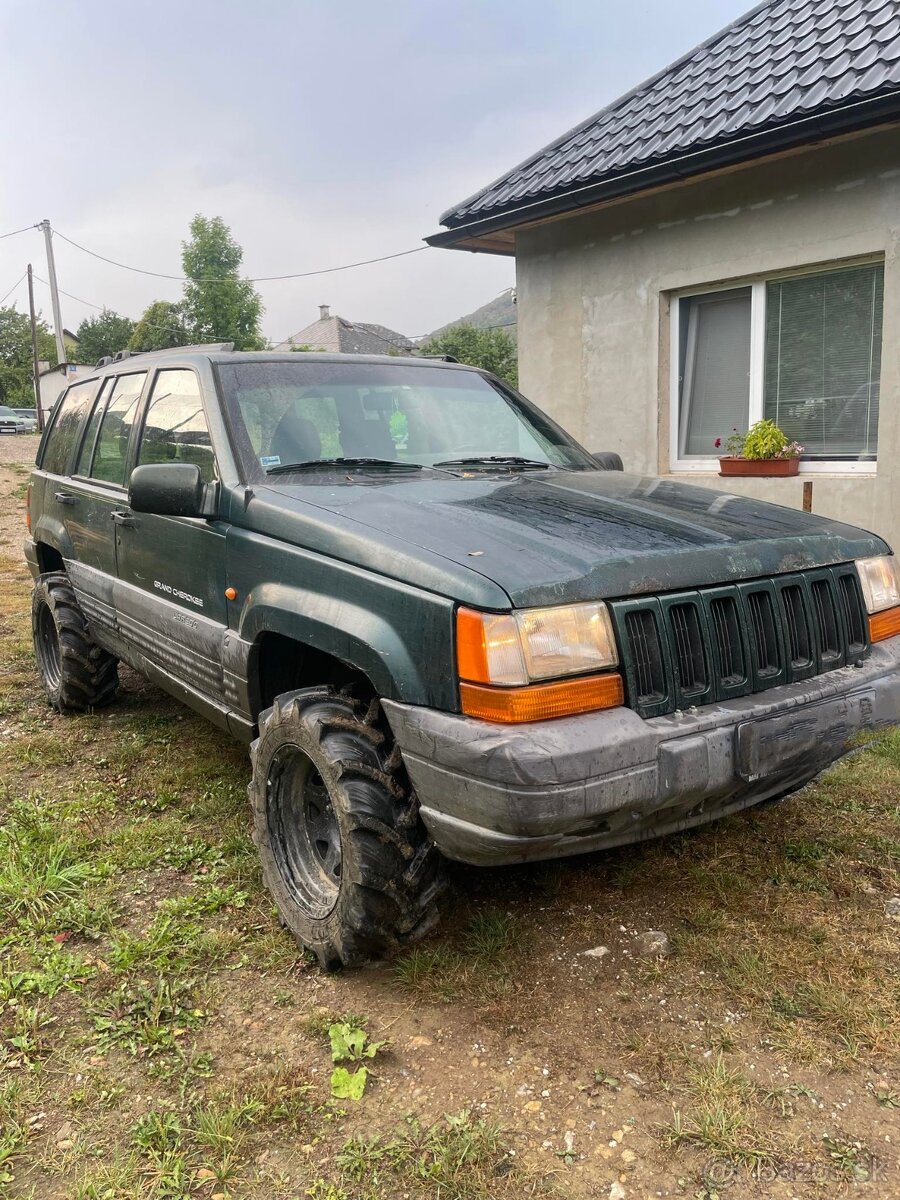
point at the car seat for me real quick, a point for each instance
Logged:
(295, 439)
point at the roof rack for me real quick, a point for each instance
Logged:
(199, 348)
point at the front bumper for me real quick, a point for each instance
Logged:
(493, 794)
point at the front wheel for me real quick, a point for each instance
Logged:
(344, 852)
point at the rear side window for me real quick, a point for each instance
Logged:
(111, 451)
(175, 428)
(66, 424)
(86, 453)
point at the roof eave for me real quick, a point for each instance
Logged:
(494, 234)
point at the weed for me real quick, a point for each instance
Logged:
(157, 1132)
(146, 1021)
(349, 1044)
(848, 1158)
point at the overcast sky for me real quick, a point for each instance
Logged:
(321, 132)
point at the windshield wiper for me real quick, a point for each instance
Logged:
(490, 460)
(311, 464)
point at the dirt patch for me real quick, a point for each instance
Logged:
(162, 1036)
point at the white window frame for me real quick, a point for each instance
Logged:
(707, 466)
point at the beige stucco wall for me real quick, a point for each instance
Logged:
(593, 302)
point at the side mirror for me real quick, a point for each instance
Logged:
(608, 460)
(167, 489)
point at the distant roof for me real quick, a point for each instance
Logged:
(339, 336)
(786, 73)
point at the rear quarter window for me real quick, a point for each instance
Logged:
(66, 424)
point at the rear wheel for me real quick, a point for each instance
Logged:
(76, 673)
(344, 852)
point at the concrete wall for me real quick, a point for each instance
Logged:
(594, 291)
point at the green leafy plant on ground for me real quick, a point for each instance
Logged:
(350, 1044)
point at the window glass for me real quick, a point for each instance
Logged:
(283, 413)
(175, 428)
(823, 360)
(115, 429)
(83, 465)
(67, 422)
(715, 369)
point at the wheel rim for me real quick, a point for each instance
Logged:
(46, 645)
(303, 831)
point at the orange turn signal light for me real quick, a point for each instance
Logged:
(884, 624)
(542, 701)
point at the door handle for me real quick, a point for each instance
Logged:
(121, 517)
(65, 498)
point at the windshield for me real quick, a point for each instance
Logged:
(285, 412)
(6, 412)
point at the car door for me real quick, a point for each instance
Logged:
(170, 596)
(94, 493)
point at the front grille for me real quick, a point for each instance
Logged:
(646, 648)
(855, 614)
(727, 634)
(716, 643)
(766, 642)
(827, 624)
(690, 661)
(796, 621)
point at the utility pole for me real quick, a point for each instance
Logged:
(54, 293)
(34, 354)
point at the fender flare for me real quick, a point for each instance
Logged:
(50, 531)
(357, 636)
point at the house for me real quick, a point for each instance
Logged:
(53, 380)
(340, 336)
(719, 245)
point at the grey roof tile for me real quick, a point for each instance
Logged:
(782, 61)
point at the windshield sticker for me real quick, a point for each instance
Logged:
(270, 460)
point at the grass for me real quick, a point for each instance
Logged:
(461, 1157)
(478, 964)
(722, 1116)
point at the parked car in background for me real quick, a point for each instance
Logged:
(10, 422)
(29, 416)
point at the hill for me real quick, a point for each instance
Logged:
(499, 312)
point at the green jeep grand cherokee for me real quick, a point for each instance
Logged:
(440, 622)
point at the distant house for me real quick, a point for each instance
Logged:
(720, 245)
(52, 380)
(340, 336)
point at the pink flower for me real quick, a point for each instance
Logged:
(718, 443)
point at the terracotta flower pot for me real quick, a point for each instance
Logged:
(732, 465)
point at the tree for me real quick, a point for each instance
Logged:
(107, 333)
(16, 368)
(161, 327)
(219, 305)
(491, 349)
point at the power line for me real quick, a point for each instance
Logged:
(254, 279)
(13, 232)
(101, 307)
(106, 308)
(14, 286)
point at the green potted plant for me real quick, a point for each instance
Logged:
(763, 450)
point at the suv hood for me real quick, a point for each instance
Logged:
(561, 536)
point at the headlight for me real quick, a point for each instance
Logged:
(513, 649)
(880, 579)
